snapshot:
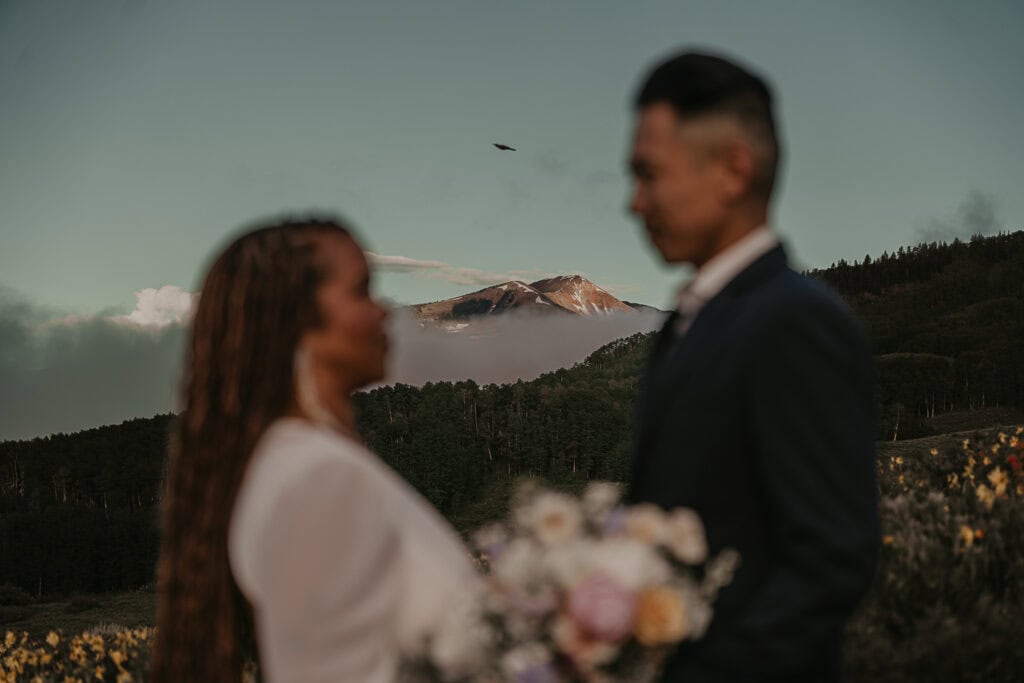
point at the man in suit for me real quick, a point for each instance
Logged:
(757, 407)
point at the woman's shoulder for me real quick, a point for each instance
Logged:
(293, 450)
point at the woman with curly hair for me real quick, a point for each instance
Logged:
(278, 523)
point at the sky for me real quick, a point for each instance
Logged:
(136, 137)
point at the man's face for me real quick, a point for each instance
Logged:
(678, 185)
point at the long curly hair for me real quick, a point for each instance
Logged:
(257, 299)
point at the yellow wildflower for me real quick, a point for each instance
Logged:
(899, 459)
(967, 535)
(986, 496)
(934, 451)
(52, 639)
(9, 639)
(995, 448)
(1020, 430)
(1014, 441)
(966, 444)
(99, 673)
(999, 480)
(1002, 437)
(987, 461)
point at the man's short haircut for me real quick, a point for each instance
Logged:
(696, 85)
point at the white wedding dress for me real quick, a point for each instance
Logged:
(345, 565)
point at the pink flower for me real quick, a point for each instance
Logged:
(602, 608)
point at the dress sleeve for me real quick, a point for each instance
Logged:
(324, 575)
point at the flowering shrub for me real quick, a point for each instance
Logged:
(948, 598)
(579, 590)
(120, 657)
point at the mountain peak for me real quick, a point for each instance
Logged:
(579, 295)
(559, 295)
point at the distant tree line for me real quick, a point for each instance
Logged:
(79, 512)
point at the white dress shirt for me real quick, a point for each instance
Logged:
(719, 271)
(345, 565)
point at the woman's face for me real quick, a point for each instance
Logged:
(350, 345)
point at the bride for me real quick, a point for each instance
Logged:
(277, 521)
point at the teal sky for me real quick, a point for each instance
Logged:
(136, 136)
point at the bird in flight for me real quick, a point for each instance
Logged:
(503, 148)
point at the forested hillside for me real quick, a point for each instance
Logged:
(78, 512)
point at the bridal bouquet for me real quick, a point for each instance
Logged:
(580, 590)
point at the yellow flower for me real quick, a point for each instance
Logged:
(899, 459)
(995, 448)
(953, 480)
(967, 535)
(1002, 437)
(986, 496)
(934, 451)
(999, 480)
(966, 444)
(99, 673)
(1020, 489)
(660, 617)
(52, 639)
(1020, 430)
(987, 461)
(1014, 441)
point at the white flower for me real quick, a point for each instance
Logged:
(524, 658)
(632, 563)
(698, 609)
(520, 564)
(461, 645)
(646, 522)
(599, 498)
(552, 517)
(567, 564)
(491, 539)
(685, 536)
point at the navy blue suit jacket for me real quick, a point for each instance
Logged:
(761, 418)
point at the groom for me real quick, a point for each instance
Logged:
(757, 408)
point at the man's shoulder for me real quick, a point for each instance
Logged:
(788, 297)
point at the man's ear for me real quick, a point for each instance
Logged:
(738, 167)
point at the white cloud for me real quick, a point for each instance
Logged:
(402, 264)
(158, 308)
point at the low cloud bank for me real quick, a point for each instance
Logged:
(513, 346)
(73, 373)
